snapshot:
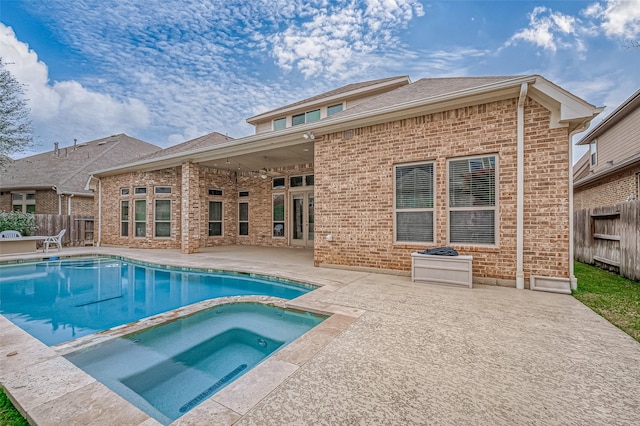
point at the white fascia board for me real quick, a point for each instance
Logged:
(564, 106)
(322, 101)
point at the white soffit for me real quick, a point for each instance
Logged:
(564, 106)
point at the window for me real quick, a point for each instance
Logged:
(472, 200)
(593, 153)
(216, 192)
(305, 117)
(297, 119)
(24, 202)
(280, 123)
(278, 183)
(162, 218)
(124, 218)
(308, 180)
(243, 194)
(140, 217)
(296, 181)
(278, 215)
(215, 218)
(334, 109)
(124, 191)
(243, 218)
(140, 190)
(162, 190)
(414, 200)
(312, 116)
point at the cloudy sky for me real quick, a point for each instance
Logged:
(166, 71)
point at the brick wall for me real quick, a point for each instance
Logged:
(608, 191)
(354, 188)
(5, 201)
(47, 202)
(200, 180)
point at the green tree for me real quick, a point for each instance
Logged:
(16, 131)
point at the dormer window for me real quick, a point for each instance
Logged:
(280, 123)
(334, 109)
(307, 117)
(593, 153)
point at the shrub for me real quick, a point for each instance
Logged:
(24, 223)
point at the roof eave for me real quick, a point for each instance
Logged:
(616, 115)
(611, 170)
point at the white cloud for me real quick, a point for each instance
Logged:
(65, 110)
(551, 30)
(339, 40)
(618, 18)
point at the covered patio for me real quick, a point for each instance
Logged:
(394, 352)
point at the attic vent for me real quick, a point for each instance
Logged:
(102, 143)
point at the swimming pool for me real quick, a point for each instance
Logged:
(61, 300)
(169, 369)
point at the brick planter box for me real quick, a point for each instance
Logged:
(454, 270)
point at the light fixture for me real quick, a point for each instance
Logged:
(309, 135)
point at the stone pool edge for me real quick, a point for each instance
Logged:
(49, 390)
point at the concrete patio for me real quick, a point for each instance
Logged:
(394, 352)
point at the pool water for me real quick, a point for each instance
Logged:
(170, 369)
(61, 300)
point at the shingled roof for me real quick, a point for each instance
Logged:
(209, 140)
(424, 88)
(69, 167)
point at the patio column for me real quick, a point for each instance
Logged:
(190, 209)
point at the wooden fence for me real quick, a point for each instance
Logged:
(79, 228)
(609, 237)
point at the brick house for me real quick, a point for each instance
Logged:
(369, 173)
(609, 173)
(54, 182)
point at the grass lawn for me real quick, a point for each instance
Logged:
(615, 298)
(9, 416)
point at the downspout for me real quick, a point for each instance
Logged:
(520, 190)
(99, 212)
(69, 204)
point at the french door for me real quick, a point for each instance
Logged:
(302, 218)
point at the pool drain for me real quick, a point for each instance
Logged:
(207, 393)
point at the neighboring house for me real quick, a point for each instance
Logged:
(369, 173)
(609, 173)
(53, 182)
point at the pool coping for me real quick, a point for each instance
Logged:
(48, 389)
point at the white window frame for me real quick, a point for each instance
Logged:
(136, 222)
(243, 221)
(593, 153)
(221, 220)
(417, 209)
(275, 222)
(156, 221)
(279, 120)
(122, 221)
(24, 201)
(494, 208)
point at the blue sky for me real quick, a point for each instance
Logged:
(167, 71)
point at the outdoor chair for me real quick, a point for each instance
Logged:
(55, 239)
(10, 234)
